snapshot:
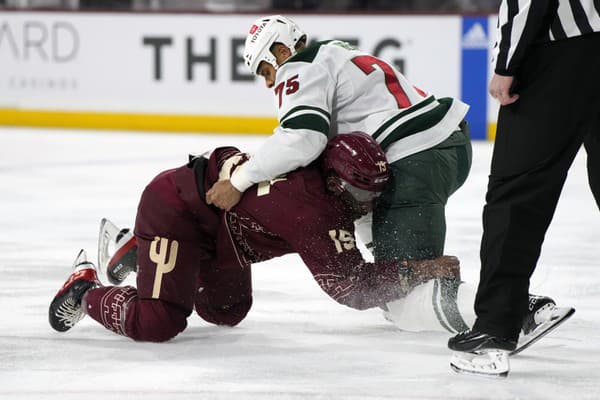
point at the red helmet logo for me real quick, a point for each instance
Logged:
(253, 29)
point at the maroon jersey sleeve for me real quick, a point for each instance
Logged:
(330, 253)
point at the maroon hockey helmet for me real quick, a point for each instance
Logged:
(359, 162)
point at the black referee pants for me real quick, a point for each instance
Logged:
(536, 142)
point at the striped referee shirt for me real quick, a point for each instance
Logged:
(525, 22)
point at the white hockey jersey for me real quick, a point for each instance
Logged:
(330, 88)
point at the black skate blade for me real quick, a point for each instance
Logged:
(561, 315)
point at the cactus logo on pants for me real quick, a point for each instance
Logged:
(165, 263)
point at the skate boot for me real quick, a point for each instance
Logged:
(481, 354)
(66, 310)
(542, 317)
(473, 341)
(124, 260)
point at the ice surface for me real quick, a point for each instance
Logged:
(296, 343)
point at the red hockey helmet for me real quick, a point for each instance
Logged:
(359, 162)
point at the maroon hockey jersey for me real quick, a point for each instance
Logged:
(295, 213)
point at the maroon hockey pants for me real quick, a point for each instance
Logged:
(175, 232)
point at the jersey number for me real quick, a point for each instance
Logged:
(291, 86)
(342, 239)
(366, 64)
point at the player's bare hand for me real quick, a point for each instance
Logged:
(223, 195)
(500, 87)
(421, 271)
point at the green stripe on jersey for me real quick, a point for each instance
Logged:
(404, 113)
(418, 124)
(301, 108)
(313, 122)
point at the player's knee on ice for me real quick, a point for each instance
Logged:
(156, 321)
(228, 315)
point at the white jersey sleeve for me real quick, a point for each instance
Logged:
(304, 96)
(282, 152)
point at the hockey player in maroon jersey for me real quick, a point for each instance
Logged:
(191, 255)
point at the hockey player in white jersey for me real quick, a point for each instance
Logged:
(330, 87)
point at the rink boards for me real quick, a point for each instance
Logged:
(185, 73)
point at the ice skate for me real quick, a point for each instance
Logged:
(66, 309)
(123, 244)
(542, 318)
(481, 354)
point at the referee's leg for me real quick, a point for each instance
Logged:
(515, 219)
(535, 145)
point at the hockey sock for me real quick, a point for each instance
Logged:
(108, 305)
(437, 305)
(119, 309)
